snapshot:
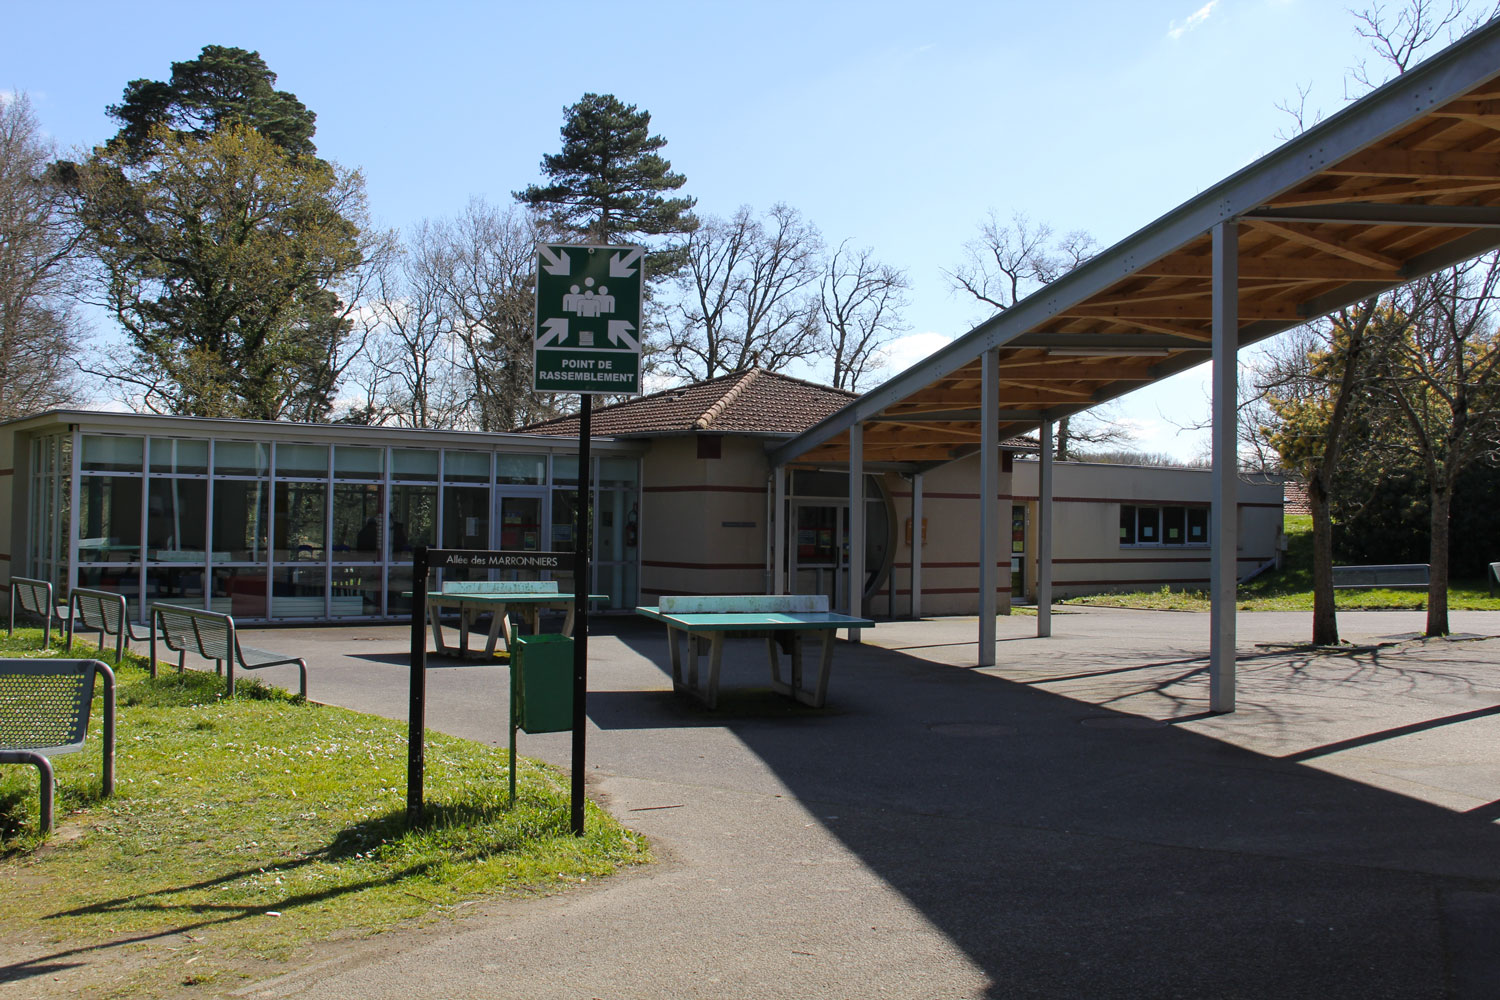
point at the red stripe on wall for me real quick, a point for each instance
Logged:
(7, 472)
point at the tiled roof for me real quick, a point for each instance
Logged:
(753, 401)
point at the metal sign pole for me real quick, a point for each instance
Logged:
(582, 548)
(416, 709)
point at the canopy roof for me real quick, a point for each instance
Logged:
(1401, 183)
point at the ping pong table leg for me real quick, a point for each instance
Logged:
(437, 629)
(777, 684)
(674, 650)
(499, 622)
(825, 664)
(567, 622)
(715, 658)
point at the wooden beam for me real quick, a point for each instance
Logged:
(1300, 234)
(1386, 193)
(1073, 370)
(1319, 268)
(1184, 310)
(1411, 163)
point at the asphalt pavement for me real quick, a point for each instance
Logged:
(1071, 822)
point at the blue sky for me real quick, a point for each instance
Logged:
(898, 125)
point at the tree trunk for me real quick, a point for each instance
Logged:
(1437, 578)
(1325, 616)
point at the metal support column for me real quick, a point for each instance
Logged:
(1224, 514)
(856, 537)
(916, 545)
(1044, 535)
(778, 527)
(989, 513)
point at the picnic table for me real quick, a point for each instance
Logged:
(783, 620)
(472, 598)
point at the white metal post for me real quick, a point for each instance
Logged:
(856, 539)
(989, 514)
(1044, 536)
(1224, 560)
(776, 524)
(916, 545)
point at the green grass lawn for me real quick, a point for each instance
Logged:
(1290, 588)
(242, 828)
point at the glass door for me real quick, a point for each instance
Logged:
(520, 520)
(1018, 552)
(819, 558)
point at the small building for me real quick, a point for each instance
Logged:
(317, 522)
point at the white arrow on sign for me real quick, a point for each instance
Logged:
(619, 267)
(557, 263)
(556, 329)
(620, 329)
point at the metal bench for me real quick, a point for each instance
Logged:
(44, 710)
(105, 612)
(212, 636)
(36, 598)
(1395, 575)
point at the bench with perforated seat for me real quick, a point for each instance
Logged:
(35, 597)
(44, 711)
(104, 612)
(212, 636)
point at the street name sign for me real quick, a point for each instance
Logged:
(588, 319)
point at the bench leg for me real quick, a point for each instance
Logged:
(44, 783)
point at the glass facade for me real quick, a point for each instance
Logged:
(302, 531)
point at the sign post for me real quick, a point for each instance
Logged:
(588, 331)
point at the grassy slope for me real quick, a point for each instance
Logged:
(1290, 588)
(242, 828)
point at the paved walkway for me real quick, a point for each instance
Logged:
(1069, 823)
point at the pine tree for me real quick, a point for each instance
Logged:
(609, 183)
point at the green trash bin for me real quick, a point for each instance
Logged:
(542, 683)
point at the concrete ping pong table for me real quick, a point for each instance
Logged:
(474, 597)
(781, 619)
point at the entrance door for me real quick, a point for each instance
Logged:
(1018, 552)
(819, 560)
(520, 520)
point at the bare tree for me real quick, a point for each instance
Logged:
(39, 330)
(744, 296)
(862, 301)
(1009, 261)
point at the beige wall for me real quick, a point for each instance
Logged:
(703, 520)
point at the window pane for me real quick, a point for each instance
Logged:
(1197, 525)
(123, 580)
(466, 467)
(357, 518)
(304, 461)
(565, 470)
(168, 455)
(1127, 524)
(109, 519)
(176, 525)
(564, 510)
(358, 463)
(807, 483)
(301, 512)
(240, 519)
(1146, 518)
(112, 454)
(1173, 525)
(297, 592)
(413, 516)
(408, 464)
(240, 458)
(521, 469)
(617, 471)
(240, 592)
(172, 585)
(466, 517)
(356, 591)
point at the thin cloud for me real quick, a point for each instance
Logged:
(1179, 28)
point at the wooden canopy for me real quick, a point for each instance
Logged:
(1401, 183)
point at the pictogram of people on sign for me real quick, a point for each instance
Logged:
(587, 302)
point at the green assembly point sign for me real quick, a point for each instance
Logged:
(588, 319)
